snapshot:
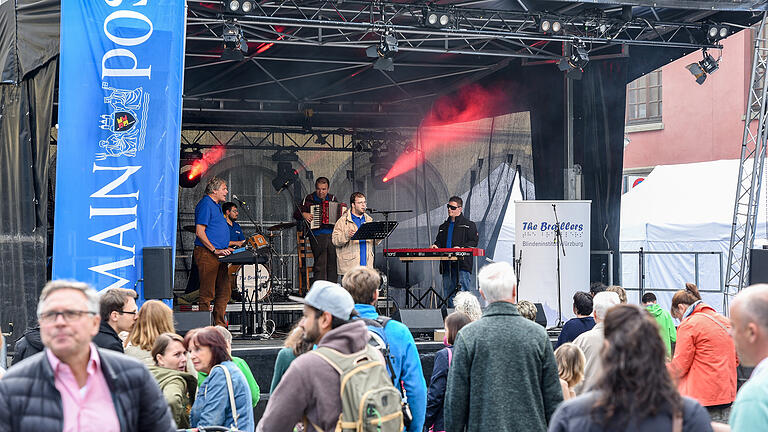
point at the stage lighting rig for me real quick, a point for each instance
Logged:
(286, 176)
(550, 25)
(573, 66)
(436, 18)
(383, 52)
(706, 66)
(240, 6)
(715, 32)
(235, 45)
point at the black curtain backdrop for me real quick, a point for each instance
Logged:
(29, 41)
(599, 105)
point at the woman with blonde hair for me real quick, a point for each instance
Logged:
(155, 318)
(570, 367)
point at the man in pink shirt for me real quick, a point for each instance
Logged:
(74, 386)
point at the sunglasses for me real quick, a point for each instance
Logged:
(452, 207)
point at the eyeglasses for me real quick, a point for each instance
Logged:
(68, 315)
(127, 312)
(451, 207)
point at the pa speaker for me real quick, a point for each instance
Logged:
(186, 321)
(158, 272)
(420, 320)
(541, 318)
(758, 266)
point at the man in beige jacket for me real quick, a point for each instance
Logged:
(352, 253)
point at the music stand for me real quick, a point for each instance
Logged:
(377, 231)
(247, 257)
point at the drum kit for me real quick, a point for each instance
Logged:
(274, 278)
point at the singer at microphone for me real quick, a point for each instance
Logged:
(353, 253)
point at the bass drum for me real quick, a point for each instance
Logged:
(250, 281)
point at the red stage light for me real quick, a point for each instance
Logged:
(200, 166)
(385, 179)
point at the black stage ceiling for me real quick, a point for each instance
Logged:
(306, 62)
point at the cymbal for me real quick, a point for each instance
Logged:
(189, 228)
(281, 226)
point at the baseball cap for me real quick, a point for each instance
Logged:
(328, 297)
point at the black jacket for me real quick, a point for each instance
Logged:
(107, 338)
(30, 401)
(27, 345)
(464, 235)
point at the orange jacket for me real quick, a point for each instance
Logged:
(705, 361)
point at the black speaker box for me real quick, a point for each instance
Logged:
(186, 321)
(540, 317)
(758, 266)
(420, 321)
(158, 272)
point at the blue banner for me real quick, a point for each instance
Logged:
(120, 84)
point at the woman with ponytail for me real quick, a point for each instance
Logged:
(634, 392)
(704, 364)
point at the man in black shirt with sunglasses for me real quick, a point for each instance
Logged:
(456, 232)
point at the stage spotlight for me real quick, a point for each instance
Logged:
(716, 32)
(286, 176)
(436, 19)
(550, 25)
(573, 66)
(240, 6)
(189, 176)
(383, 53)
(235, 45)
(706, 66)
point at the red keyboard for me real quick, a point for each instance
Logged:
(431, 252)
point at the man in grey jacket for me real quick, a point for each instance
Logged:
(504, 375)
(310, 386)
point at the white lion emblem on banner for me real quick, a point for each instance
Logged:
(126, 122)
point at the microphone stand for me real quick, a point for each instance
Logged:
(255, 299)
(559, 241)
(386, 214)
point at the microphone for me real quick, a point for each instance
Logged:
(238, 199)
(371, 210)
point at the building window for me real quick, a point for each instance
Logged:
(644, 99)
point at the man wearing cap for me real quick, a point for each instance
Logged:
(310, 386)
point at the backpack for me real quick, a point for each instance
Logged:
(369, 402)
(378, 340)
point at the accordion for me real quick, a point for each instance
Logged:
(326, 213)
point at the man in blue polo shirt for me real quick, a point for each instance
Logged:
(236, 236)
(363, 284)
(211, 243)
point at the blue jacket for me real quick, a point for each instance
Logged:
(436, 394)
(212, 408)
(406, 364)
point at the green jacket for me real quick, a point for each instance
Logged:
(246, 370)
(503, 376)
(179, 389)
(666, 326)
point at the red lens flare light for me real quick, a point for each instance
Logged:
(200, 166)
(446, 126)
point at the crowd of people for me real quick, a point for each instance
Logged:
(97, 361)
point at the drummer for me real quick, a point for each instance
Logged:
(236, 237)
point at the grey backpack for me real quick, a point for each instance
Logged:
(369, 401)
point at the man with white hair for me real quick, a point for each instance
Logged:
(591, 342)
(749, 328)
(73, 385)
(505, 362)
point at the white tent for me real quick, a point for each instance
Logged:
(682, 208)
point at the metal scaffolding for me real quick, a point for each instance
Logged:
(750, 171)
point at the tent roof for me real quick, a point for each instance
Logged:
(687, 202)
